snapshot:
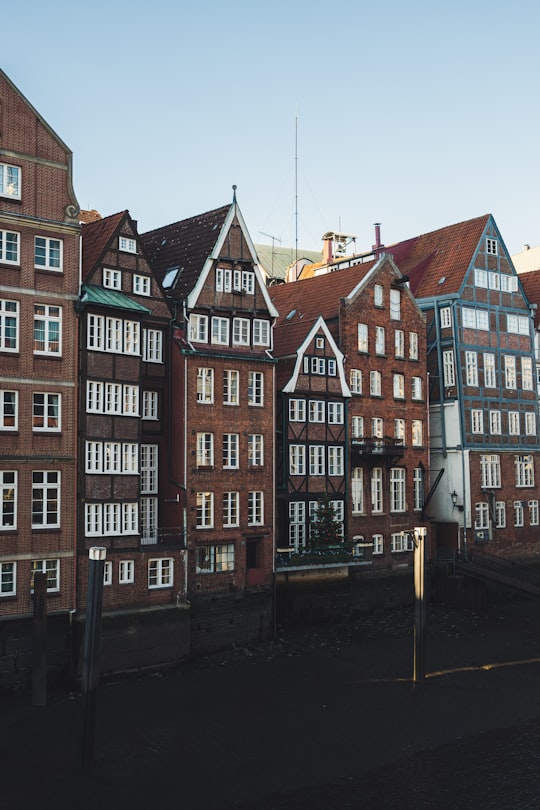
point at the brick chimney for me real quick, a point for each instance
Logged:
(327, 251)
(378, 244)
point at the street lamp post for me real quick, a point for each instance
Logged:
(419, 604)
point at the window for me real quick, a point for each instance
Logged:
(495, 423)
(530, 423)
(524, 470)
(205, 385)
(240, 332)
(481, 520)
(10, 181)
(149, 469)
(47, 253)
(356, 381)
(8, 500)
(513, 423)
(490, 471)
(247, 282)
(112, 279)
(449, 375)
(475, 318)
(231, 380)
(480, 278)
(114, 458)
(230, 450)
(45, 500)
(517, 324)
(378, 544)
(533, 513)
(375, 383)
(399, 429)
(112, 398)
(160, 573)
(378, 295)
(418, 488)
(500, 514)
(377, 427)
(256, 388)
(205, 510)
(413, 345)
(490, 377)
(9, 410)
(316, 410)
(126, 572)
(509, 283)
(261, 332)
(149, 520)
(332, 367)
(141, 285)
(526, 374)
(215, 559)
(357, 490)
(297, 524)
(416, 383)
(255, 508)
(510, 371)
(376, 490)
(318, 365)
(316, 459)
(111, 519)
(339, 515)
(10, 242)
(205, 449)
(399, 386)
(8, 578)
(127, 245)
(400, 542)
(417, 433)
(477, 420)
(335, 413)
(51, 569)
(297, 459)
(150, 405)
(231, 509)
(46, 411)
(297, 410)
(47, 329)
(395, 305)
(397, 489)
(255, 450)
(363, 337)
(153, 345)
(220, 331)
(380, 340)
(471, 368)
(223, 279)
(198, 328)
(518, 513)
(335, 460)
(357, 427)
(399, 343)
(446, 317)
(491, 246)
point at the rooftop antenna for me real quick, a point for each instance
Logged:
(296, 186)
(274, 239)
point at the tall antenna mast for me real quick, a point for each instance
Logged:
(274, 239)
(296, 186)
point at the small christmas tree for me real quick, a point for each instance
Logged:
(326, 529)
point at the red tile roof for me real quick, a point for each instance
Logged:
(186, 245)
(96, 237)
(531, 284)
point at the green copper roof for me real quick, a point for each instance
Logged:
(110, 298)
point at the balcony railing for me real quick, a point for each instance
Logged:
(387, 448)
(169, 535)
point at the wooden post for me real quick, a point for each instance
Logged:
(419, 604)
(91, 644)
(39, 642)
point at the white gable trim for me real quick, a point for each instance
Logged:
(234, 210)
(320, 324)
(384, 258)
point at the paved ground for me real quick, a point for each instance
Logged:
(323, 719)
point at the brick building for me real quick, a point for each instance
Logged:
(221, 429)
(39, 269)
(373, 357)
(122, 422)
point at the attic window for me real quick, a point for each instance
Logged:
(170, 277)
(442, 279)
(291, 315)
(319, 343)
(127, 245)
(491, 246)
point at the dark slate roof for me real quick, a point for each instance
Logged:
(185, 245)
(96, 237)
(437, 262)
(93, 294)
(531, 285)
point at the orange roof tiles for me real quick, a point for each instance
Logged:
(531, 285)
(96, 237)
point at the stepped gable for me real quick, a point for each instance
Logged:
(185, 245)
(437, 262)
(96, 239)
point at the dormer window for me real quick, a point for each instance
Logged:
(127, 245)
(10, 181)
(112, 279)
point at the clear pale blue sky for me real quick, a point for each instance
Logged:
(413, 114)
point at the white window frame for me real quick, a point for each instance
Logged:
(514, 420)
(160, 573)
(256, 389)
(527, 374)
(8, 578)
(46, 516)
(500, 514)
(220, 331)
(533, 512)
(317, 464)
(51, 412)
(240, 332)
(150, 405)
(519, 514)
(399, 386)
(127, 244)
(149, 469)
(297, 524)
(336, 413)
(231, 387)
(255, 450)
(377, 502)
(375, 383)
(297, 410)
(205, 386)
(395, 304)
(490, 372)
(510, 377)
(355, 381)
(50, 316)
(363, 338)
(316, 410)
(481, 512)
(378, 544)
(205, 449)
(357, 490)
(205, 510)
(378, 299)
(399, 344)
(255, 508)
(9, 410)
(8, 499)
(417, 388)
(48, 254)
(495, 423)
(471, 369)
(417, 433)
(297, 459)
(380, 340)
(524, 470)
(198, 328)
(231, 451)
(397, 489)
(491, 246)
(413, 345)
(112, 278)
(357, 427)
(10, 181)
(530, 423)
(418, 489)
(446, 317)
(261, 332)
(51, 569)
(141, 285)
(10, 247)
(477, 420)
(153, 345)
(231, 509)
(490, 471)
(336, 457)
(126, 572)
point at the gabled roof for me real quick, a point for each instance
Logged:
(531, 285)
(275, 261)
(437, 262)
(92, 294)
(185, 245)
(96, 237)
(319, 325)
